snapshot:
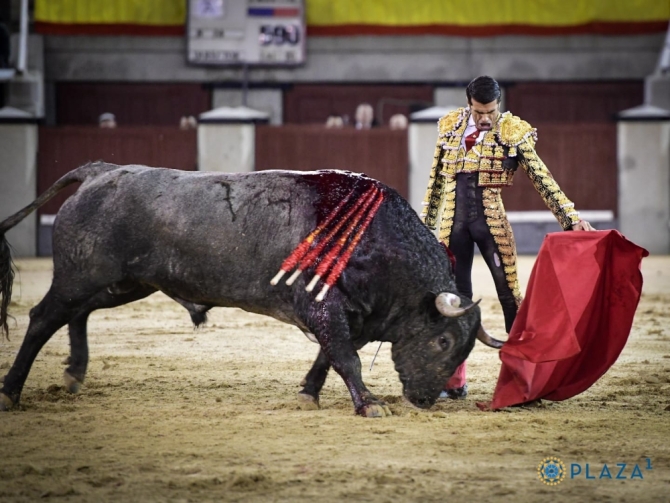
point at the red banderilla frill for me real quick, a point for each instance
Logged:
(307, 253)
(344, 258)
(313, 254)
(303, 247)
(334, 252)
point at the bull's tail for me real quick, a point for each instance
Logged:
(6, 281)
(6, 267)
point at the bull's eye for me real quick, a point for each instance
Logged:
(444, 342)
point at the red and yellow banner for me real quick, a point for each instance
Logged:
(376, 17)
(486, 17)
(110, 17)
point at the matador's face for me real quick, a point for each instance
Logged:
(485, 115)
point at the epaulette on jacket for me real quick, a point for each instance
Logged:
(449, 124)
(513, 130)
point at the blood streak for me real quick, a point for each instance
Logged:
(311, 257)
(356, 219)
(344, 258)
(300, 251)
(330, 257)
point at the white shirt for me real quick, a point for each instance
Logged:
(471, 128)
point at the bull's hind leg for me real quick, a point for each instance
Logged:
(308, 397)
(330, 326)
(46, 318)
(78, 361)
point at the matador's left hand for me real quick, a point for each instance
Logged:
(582, 225)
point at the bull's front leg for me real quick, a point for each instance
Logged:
(332, 331)
(344, 359)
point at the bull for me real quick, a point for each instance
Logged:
(213, 239)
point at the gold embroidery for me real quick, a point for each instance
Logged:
(448, 212)
(544, 183)
(512, 130)
(485, 158)
(450, 129)
(433, 192)
(450, 123)
(502, 235)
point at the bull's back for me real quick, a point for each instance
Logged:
(208, 237)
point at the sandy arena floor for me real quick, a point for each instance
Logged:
(172, 414)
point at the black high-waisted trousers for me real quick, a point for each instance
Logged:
(469, 229)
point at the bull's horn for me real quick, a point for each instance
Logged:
(484, 337)
(448, 304)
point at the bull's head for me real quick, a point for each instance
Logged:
(427, 357)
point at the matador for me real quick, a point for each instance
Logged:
(478, 152)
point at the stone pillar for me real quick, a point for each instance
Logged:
(226, 139)
(643, 156)
(422, 137)
(657, 90)
(18, 178)
(268, 100)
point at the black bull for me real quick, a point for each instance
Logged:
(212, 239)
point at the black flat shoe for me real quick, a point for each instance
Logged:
(455, 393)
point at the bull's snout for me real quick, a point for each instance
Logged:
(421, 393)
(421, 400)
(424, 403)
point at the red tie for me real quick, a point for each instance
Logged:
(470, 140)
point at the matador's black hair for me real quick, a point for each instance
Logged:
(483, 89)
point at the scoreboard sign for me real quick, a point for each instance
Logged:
(254, 32)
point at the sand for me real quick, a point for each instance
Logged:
(172, 414)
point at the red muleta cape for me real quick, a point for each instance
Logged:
(575, 318)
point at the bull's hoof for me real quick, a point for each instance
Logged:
(376, 410)
(307, 402)
(5, 402)
(72, 384)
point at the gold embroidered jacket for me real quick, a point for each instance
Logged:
(510, 139)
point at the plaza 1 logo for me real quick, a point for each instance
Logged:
(551, 471)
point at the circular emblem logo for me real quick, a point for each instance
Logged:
(551, 471)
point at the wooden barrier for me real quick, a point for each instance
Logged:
(582, 159)
(62, 149)
(380, 153)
